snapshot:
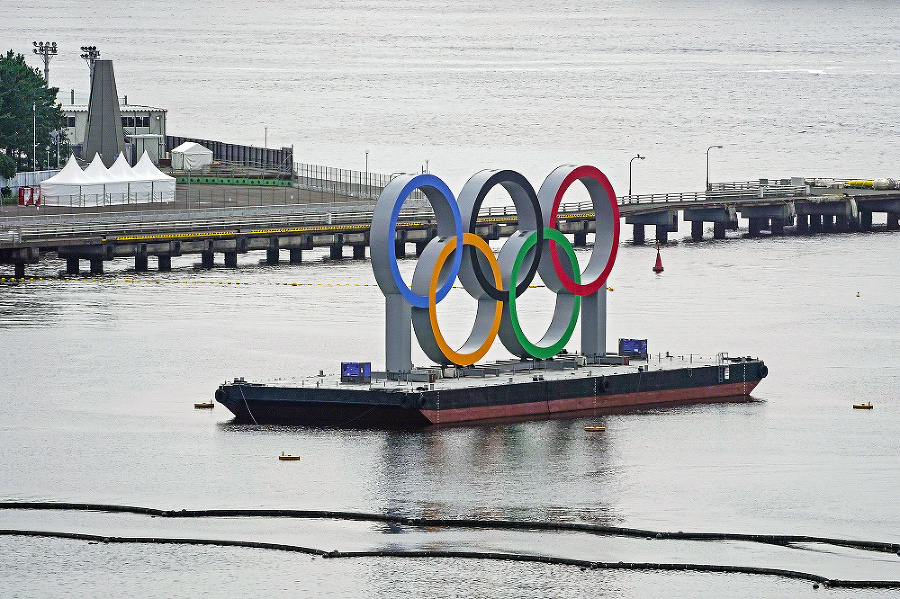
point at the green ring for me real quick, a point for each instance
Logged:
(533, 350)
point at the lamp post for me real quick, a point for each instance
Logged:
(708, 186)
(90, 54)
(629, 171)
(34, 135)
(367, 173)
(46, 50)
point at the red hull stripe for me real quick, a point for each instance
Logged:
(587, 404)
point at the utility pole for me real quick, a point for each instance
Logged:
(90, 54)
(46, 50)
(34, 136)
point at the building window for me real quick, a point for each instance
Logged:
(70, 121)
(145, 121)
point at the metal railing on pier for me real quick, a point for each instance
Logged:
(720, 193)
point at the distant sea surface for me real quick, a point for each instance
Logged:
(100, 376)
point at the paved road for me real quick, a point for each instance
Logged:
(203, 196)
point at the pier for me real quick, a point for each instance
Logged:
(227, 220)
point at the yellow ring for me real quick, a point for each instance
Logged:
(451, 354)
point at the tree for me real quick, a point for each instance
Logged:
(7, 166)
(21, 88)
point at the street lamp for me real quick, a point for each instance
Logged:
(629, 171)
(90, 54)
(34, 135)
(367, 173)
(708, 186)
(45, 50)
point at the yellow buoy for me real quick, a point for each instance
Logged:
(595, 429)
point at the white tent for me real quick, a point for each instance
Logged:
(139, 190)
(163, 186)
(190, 156)
(99, 186)
(71, 187)
(115, 191)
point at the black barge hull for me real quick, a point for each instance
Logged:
(385, 407)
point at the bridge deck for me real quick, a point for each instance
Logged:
(317, 218)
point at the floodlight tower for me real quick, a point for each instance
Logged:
(46, 50)
(90, 54)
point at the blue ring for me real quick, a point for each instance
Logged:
(435, 190)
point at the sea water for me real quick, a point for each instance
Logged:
(100, 375)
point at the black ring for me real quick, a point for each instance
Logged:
(513, 182)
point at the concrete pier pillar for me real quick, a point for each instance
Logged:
(296, 256)
(272, 251)
(718, 230)
(164, 263)
(893, 220)
(756, 225)
(662, 233)
(803, 223)
(140, 263)
(815, 223)
(20, 270)
(336, 251)
(420, 247)
(697, 230)
(865, 220)
(400, 244)
(638, 235)
(71, 266)
(842, 223)
(580, 240)
(359, 252)
(828, 222)
(231, 259)
(96, 266)
(777, 226)
(207, 259)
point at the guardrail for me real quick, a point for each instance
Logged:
(31, 229)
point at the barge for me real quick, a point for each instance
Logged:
(543, 380)
(510, 391)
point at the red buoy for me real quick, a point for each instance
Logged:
(658, 267)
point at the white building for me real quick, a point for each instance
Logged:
(144, 126)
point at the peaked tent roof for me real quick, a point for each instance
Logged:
(71, 174)
(145, 169)
(96, 171)
(70, 186)
(122, 171)
(192, 148)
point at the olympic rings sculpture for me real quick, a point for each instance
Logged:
(495, 282)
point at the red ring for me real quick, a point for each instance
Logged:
(586, 172)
